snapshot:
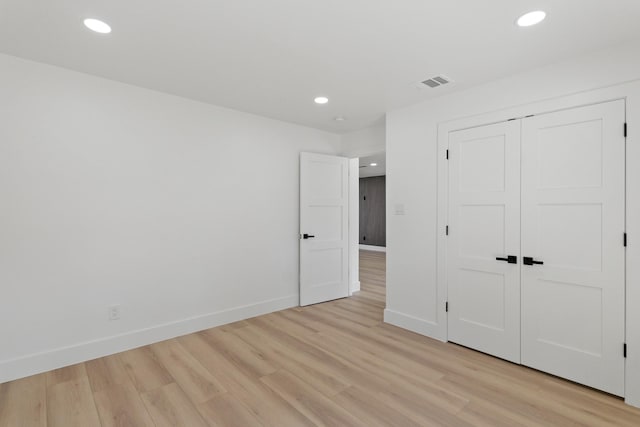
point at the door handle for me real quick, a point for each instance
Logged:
(511, 259)
(308, 236)
(530, 261)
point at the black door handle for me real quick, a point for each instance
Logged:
(308, 236)
(511, 259)
(530, 261)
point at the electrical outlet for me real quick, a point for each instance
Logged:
(114, 312)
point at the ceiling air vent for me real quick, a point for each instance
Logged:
(436, 81)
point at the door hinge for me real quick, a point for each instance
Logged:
(624, 349)
(446, 230)
(624, 240)
(447, 154)
(446, 306)
(625, 130)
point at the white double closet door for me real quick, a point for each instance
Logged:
(536, 260)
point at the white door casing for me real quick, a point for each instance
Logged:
(573, 220)
(324, 216)
(484, 224)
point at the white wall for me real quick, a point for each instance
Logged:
(364, 142)
(412, 158)
(183, 213)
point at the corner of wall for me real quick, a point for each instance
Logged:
(364, 142)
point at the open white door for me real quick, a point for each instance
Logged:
(324, 231)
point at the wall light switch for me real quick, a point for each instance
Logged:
(399, 209)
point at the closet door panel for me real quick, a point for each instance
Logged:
(484, 224)
(573, 222)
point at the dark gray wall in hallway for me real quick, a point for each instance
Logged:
(373, 211)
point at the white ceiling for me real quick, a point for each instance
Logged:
(273, 57)
(366, 170)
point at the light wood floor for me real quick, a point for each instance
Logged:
(332, 364)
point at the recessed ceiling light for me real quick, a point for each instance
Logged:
(97, 26)
(321, 100)
(531, 18)
(340, 119)
(373, 164)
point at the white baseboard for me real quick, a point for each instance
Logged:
(45, 361)
(632, 402)
(355, 286)
(373, 248)
(414, 324)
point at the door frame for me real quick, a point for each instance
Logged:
(630, 93)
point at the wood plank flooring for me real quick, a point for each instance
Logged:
(332, 364)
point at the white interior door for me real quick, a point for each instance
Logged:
(324, 236)
(573, 221)
(484, 226)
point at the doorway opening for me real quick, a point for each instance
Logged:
(342, 205)
(372, 203)
(367, 239)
